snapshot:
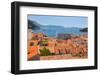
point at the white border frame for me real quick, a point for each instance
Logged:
(25, 65)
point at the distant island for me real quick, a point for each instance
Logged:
(84, 30)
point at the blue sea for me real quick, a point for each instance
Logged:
(53, 31)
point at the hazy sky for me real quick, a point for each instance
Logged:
(66, 21)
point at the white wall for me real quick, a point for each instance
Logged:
(5, 41)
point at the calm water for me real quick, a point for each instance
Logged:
(53, 31)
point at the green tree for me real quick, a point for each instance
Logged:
(45, 52)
